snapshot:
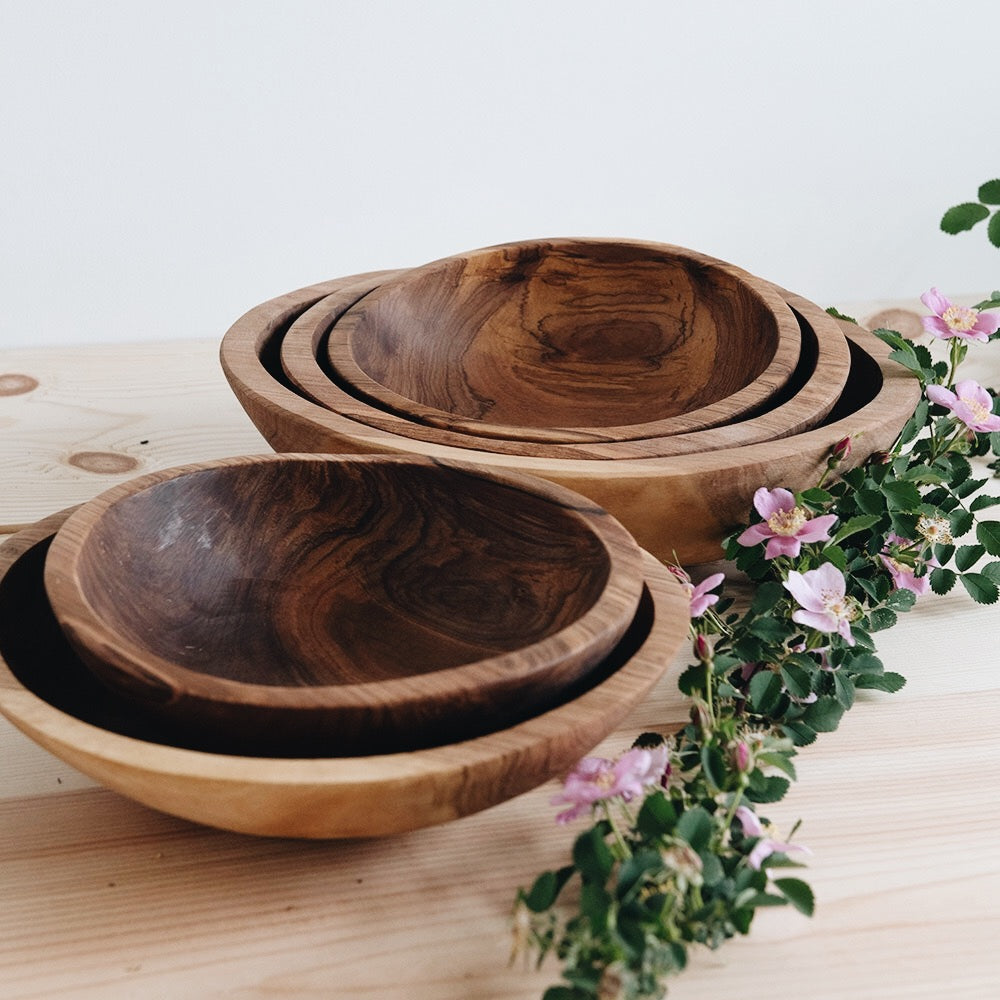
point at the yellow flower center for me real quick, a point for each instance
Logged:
(787, 522)
(935, 529)
(605, 780)
(961, 319)
(979, 412)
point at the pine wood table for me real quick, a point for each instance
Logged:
(103, 898)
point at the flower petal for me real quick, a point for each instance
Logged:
(799, 585)
(937, 327)
(942, 396)
(783, 545)
(822, 621)
(987, 323)
(769, 502)
(755, 534)
(816, 529)
(935, 301)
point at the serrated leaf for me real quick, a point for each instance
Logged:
(592, 856)
(901, 600)
(942, 580)
(983, 501)
(595, 904)
(843, 688)
(764, 692)
(889, 682)
(988, 533)
(801, 733)
(764, 790)
(798, 682)
(856, 524)
(993, 229)
(778, 760)
(881, 618)
(546, 889)
(713, 766)
(836, 555)
(963, 217)
(770, 629)
(766, 597)
(961, 522)
(980, 588)
(991, 571)
(824, 714)
(944, 553)
(797, 893)
(989, 193)
(816, 497)
(657, 815)
(966, 556)
(864, 663)
(901, 496)
(695, 826)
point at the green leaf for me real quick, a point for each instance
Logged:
(944, 553)
(766, 789)
(712, 872)
(961, 522)
(801, 733)
(595, 903)
(565, 993)
(764, 692)
(816, 497)
(881, 618)
(824, 714)
(860, 523)
(713, 766)
(546, 889)
(634, 868)
(865, 663)
(771, 629)
(942, 580)
(695, 826)
(592, 856)
(797, 893)
(993, 229)
(983, 501)
(766, 597)
(844, 688)
(967, 556)
(991, 571)
(989, 193)
(901, 600)
(798, 683)
(890, 682)
(980, 587)
(657, 815)
(778, 760)
(836, 555)
(963, 217)
(988, 533)
(901, 496)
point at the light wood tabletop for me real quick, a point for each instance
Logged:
(105, 898)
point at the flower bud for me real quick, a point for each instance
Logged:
(703, 648)
(741, 757)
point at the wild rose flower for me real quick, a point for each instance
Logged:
(765, 846)
(785, 526)
(699, 596)
(934, 530)
(904, 577)
(821, 594)
(950, 320)
(595, 779)
(970, 402)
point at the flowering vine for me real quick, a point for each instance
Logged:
(677, 852)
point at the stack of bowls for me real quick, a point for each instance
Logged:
(665, 385)
(330, 646)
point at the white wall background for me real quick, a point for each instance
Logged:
(166, 166)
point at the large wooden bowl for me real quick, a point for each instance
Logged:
(47, 692)
(807, 397)
(568, 340)
(342, 604)
(678, 507)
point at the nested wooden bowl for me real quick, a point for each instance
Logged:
(678, 507)
(568, 340)
(51, 695)
(807, 397)
(345, 604)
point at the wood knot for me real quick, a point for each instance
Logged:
(13, 384)
(903, 321)
(104, 462)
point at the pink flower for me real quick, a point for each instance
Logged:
(785, 526)
(595, 779)
(821, 594)
(765, 846)
(700, 598)
(903, 576)
(970, 402)
(950, 320)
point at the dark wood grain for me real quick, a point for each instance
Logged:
(47, 692)
(342, 603)
(568, 340)
(809, 394)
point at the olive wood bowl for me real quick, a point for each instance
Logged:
(342, 603)
(806, 398)
(50, 694)
(678, 508)
(568, 340)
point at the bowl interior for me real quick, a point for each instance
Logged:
(573, 334)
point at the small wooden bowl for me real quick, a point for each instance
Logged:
(677, 508)
(568, 340)
(806, 398)
(344, 604)
(48, 693)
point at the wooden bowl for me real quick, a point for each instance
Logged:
(342, 604)
(568, 340)
(48, 693)
(680, 507)
(806, 398)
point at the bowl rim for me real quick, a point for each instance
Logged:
(331, 797)
(808, 406)
(122, 660)
(753, 394)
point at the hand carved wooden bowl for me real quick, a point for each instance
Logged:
(568, 340)
(343, 604)
(807, 397)
(47, 692)
(676, 507)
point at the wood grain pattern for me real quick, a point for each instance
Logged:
(46, 691)
(568, 340)
(807, 397)
(676, 508)
(320, 604)
(105, 899)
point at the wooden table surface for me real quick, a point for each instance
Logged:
(103, 898)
